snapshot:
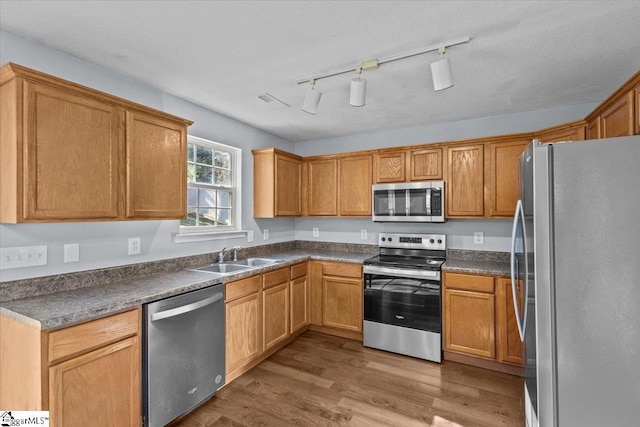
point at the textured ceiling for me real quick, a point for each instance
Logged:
(522, 56)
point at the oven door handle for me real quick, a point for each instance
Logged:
(402, 272)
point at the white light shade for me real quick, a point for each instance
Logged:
(358, 92)
(441, 74)
(311, 101)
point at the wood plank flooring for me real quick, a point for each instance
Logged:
(321, 380)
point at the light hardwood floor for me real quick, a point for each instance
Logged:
(324, 380)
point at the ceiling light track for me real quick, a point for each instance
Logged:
(372, 64)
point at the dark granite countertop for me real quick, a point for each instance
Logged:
(65, 308)
(493, 268)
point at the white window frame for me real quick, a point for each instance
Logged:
(199, 233)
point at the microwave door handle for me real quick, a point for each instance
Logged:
(392, 202)
(514, 263)
(428, 202)
(407, 202)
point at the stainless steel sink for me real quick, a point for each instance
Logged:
(222, 268)
(256, 262)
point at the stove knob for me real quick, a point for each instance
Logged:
(439, 240)
(390, 239)
(383, 239)
(431, 241)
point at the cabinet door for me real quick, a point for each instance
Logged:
(355, 185)
(390, 167)
(342, 303)
(425, 165)
(99, 388)
(288, 186)
(156, 167)
(275, 314)
(299, 303)
(469, 322)
(244, 331)
(617, 120)
(636, 94)
(323, 185)
(315, 293)
(504, 176)
(510, 348)
(72, 155)
(573, 133)
(465, 181)
(593, 128)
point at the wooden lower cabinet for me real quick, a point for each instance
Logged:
(275, 314)
(299, 295)
(87, 374)
(99, 388)
(510, 347)
(243, 330)
(336, 298)
(479, 325)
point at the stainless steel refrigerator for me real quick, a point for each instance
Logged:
(576, 249)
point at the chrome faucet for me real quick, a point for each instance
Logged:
(235, 252)
(221, 254)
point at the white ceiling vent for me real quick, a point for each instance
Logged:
(272, 102)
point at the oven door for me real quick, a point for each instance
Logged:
(402, 297)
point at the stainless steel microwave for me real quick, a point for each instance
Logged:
(408, 202)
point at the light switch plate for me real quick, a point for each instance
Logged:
(249, 236)
(22, 256)
(71, 252)
(265, 234)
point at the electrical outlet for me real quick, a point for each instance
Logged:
(478, 238)
(71, 252)
(316, 232)
(249, 236)
(22, 256)
(134, 245)
(363, 234)
(265, 234)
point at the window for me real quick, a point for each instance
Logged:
(213, 192)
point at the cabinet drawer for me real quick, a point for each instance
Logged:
(273, 278)
(469, 282)
(341, 269)
(87, 336)
(298, 270)
(240, 288)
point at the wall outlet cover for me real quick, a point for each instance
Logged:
(249, 236)
(134, 246)
(363, 234)
(478, 238)
(265, 234)
(71, 252)
(316, 232)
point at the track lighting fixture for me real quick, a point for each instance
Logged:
(311, 99)
(441, 72)
(358, 90)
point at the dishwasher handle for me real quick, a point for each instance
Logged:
(186, 308)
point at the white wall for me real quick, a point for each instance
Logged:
(104, 244)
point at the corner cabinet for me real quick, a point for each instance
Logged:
(88, 374)
(504, 176)
(70, 153)
(277, 183)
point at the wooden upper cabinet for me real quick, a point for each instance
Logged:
(617, 120)
(70, 153)
(389, 167)
(425, 164)
(575, 131)
(504, 176)
(594, 128)
(156, 167)
(277, 183)
(465, 180)
(355, 185)
(323, 187)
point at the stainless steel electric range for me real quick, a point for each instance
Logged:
(402, 295)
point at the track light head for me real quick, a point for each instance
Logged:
(358, 89)
(311, 99)
(441, 72)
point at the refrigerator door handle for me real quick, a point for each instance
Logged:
(518, 216)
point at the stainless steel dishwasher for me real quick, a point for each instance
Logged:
(183, 355)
